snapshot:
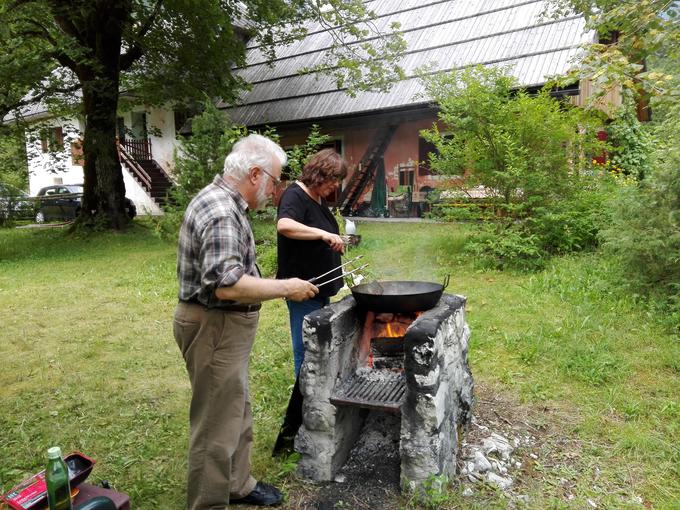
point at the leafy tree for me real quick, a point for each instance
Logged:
(528, 152)
(630, 31)
(78, 55)
(13, 169)
(526, 149)
(198, 159)
(201, 155)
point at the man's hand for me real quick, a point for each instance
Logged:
(251, 289)
(300, 290)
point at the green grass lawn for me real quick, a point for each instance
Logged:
(90, 364)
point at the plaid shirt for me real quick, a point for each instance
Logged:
(216, 244)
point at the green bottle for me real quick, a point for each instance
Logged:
(56, 478)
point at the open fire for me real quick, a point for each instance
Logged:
(382, 340)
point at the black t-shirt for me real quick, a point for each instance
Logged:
(307, 259)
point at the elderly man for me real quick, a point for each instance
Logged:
(220, 290)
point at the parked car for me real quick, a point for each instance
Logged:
(62, 202)
(14, 203)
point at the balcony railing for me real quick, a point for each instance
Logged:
(134, 167)
(138, 148)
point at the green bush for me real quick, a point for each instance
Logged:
(644, 237)
(527, 151)
(630, 143)
(298, 155)
(567, 226)
(458, 211)
(512, 246)
(644, 233)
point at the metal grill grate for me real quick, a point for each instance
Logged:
(384, 390)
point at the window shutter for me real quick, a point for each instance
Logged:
(58, 137)
(77, 152)
(43, 141)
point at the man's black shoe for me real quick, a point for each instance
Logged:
(263, 494)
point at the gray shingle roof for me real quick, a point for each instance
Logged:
(448, 34)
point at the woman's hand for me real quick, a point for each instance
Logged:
(334, 241)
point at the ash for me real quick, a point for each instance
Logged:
(378, 375)
(370, 477)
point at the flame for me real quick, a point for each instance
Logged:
(382, 325)
(391, 329)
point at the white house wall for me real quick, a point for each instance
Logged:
(135, 192)
(161, 124)
(45, 168)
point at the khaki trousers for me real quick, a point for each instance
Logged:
(216, 347)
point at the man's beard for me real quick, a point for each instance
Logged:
(262, 197)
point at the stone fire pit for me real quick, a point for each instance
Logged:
(437, 399)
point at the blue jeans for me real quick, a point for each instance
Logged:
(297, 312)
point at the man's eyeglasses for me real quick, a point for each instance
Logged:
(275, 180)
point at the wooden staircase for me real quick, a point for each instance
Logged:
(366, 169)
(147, 172)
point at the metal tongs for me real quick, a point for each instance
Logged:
(316, 278)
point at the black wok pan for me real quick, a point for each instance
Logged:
(398, 296)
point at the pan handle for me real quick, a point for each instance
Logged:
(446, 281)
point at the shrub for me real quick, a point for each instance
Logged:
(567, 226)
(511, 246)
(644, 233)
(527, 151)
(459, 211)
(524, 149)
(630, 143)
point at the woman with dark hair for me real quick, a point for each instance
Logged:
(309, 243)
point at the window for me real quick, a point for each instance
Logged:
(425, 148)
(138, 125)
(180, 118)
(52, 139)
(120, 129)
(407, 175)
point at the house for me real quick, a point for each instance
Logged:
(146, 148)
(375, 130)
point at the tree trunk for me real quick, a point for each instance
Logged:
(104, 193)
